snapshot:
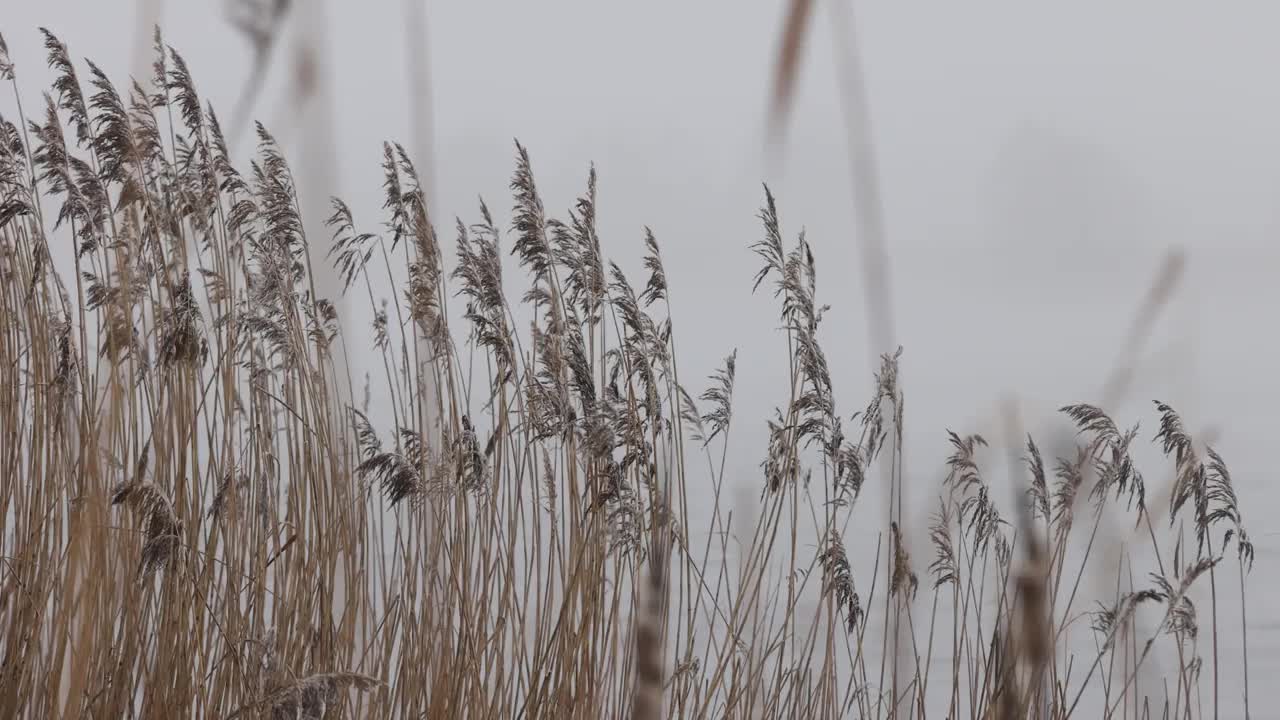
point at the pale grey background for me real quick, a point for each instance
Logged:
(1037, 161)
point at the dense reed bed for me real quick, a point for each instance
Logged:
(521, 510)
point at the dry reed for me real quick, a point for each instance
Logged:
(530, 551)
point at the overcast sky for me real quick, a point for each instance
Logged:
(1037, 162)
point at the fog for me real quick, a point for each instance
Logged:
(1037, 162)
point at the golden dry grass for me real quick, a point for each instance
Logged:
(203, 518)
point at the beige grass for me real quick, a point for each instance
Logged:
(203, 518)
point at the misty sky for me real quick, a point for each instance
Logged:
(1037, 162)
